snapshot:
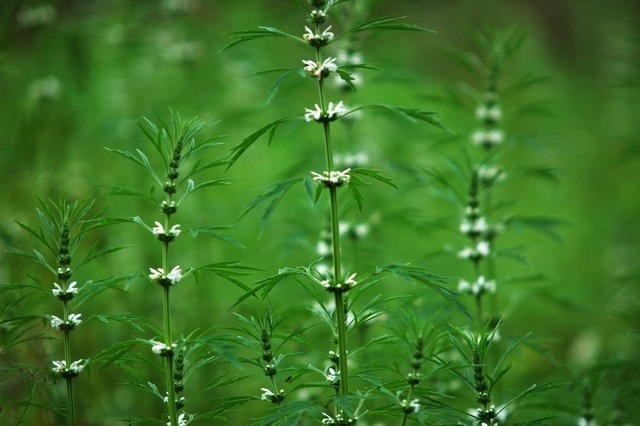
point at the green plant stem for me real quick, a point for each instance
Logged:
(168, 370)
(71, 412)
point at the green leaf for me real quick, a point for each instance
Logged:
(375, 174)
(239, 149)
(276, 85)
(261, 32)
(385, 23)
(410, 113)
(119, 190)
(264, 286)
(143, 161)
(275, 192)
(213, 231)
(124, 318)
(413, 273)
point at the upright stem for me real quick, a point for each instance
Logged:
(71, 412)
(337, 262)
(169, 373)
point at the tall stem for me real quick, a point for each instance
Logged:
(71, 412)
(335, 241)
(168, 370)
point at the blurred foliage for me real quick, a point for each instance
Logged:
(77, 76)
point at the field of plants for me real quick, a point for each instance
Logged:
(320, 212)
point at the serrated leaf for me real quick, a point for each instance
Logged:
(261, 32)
(275, 192)
(410, 113)
(119, 190)
(239, 149)
(375, 174)
(385, 23)
(213, 231)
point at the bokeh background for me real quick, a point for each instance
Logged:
(77, 76)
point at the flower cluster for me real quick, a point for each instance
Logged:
(182, 420)
(169, 207)
(410, 406)
(161, 348)
(473, 227)
(478, 252)
(321, 70)
(359, 159)
(478, 287)
(349, 283)
(487, 138)
(64, 274)
(489, 114)
(317, 40)
(67, 294)
(490, 175)
(317, 17)
(333, 178)
(354, 230)
(73, 321)
(60, 367)
(171, 278)
(275, 398)
(166, 236)
(338, 420)
(333, 113)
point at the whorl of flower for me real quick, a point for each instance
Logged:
(317, 17)
(65, 295)
(349, 283)
(478, 287)
(488, 114)
(162, 349)
(171, 278)
(73, 321)
(333, 375)
(333, 113)
(487, 139)
(317, 40)
(166, 236)
(410, 406)
(334, 178)
(490, 175)
(182, 420)
(320, 70)
(481, 250)
(267, 395)
(64, 274)
(60, 367)
(359, 159)
(169, 208)
(473, 227)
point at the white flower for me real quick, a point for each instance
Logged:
(328, 420)
(156, 274)
(57, 291)
(463, 286)
(76, 366)
(311, 114)
(309, 66)
(267, 394)
(489, 174)
(343, 227)
(60, 366)
(350, 281)
(493, 113)
(466, 253)
(478, 137)
(325, 283)
(308, 34)
(72, 288)
(56, 322)
(483, 248)
(326, 34)
(182, 420)
(415, 405)
(160, 348)
(75, 319)
(335, 112)
(361, 230)
(158, 229)
(334, 177)
(318, 13)
(175, 275)
(332, 375)
(175, 231)
(494, 137)
(322, 248)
